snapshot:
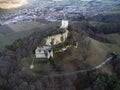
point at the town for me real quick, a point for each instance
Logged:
(54, 13)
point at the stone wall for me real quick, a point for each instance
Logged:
(56, 39)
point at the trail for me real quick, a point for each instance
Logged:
(80, 71)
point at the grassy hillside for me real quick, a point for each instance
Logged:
(107, 17)
(9, 33)
(115, 45)
(97, 52)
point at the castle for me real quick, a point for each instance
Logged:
(56, 39)
(46, 51)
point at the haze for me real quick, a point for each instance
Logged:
(8, 4)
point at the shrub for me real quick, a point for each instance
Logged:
(52, 41)
(62, 39)
(14, 46)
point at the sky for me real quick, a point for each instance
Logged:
(8, 4)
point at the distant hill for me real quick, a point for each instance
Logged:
(107, 17)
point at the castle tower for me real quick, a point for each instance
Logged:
(64, 24)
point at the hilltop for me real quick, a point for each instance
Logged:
(93, 49)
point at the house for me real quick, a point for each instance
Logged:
(44, 52)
